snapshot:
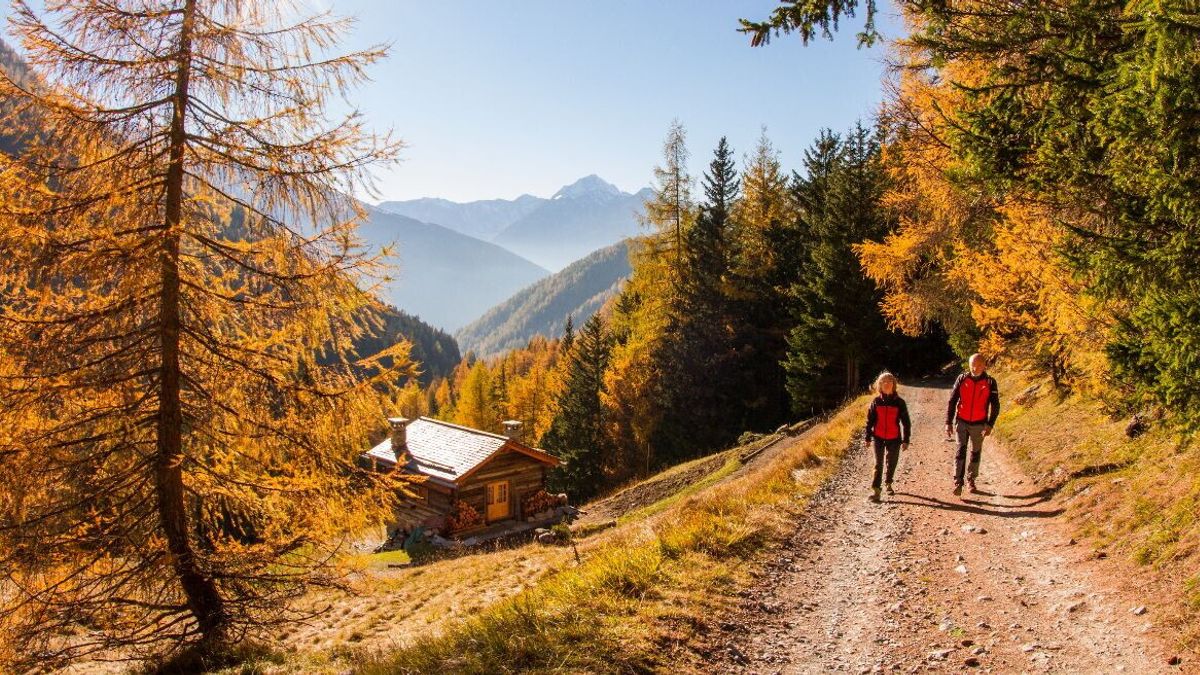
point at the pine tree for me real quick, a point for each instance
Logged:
(696, 360)
(568, 336)
(839, 329)
(177, 250)
(576, 434)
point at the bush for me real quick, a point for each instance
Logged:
(561, 532)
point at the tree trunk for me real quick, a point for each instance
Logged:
(203, 599)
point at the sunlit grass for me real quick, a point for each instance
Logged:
(642, 593)
(1139, 497)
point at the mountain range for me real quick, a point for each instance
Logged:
(578, 291)
(444, 277)
(580, 218)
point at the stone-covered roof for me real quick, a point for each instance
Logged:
(446, 452)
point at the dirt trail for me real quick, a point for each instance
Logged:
(927, 581)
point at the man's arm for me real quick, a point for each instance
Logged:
(954, 393)
(904, 420)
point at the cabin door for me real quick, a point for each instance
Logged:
(497, 501)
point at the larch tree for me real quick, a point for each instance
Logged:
(763, 263)
(633, 381)
(180, 270)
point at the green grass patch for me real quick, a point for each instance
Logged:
(731, 465)
(379, 561)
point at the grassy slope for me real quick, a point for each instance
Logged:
(1137, 499)
(639, 600)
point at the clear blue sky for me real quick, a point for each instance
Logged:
(498, 98)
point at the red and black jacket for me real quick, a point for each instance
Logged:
(887, 419)
(974, 400)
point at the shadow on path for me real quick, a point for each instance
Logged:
(971, 507)
(1038, 497)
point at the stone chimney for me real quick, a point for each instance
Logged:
(399, 434)
(512, 429)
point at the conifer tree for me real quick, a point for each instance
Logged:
(838, 327)
(669, 211)
(633, 395)
(577, 434)
(696, 362)
(159, 368)
(763, 265)
(568, 336)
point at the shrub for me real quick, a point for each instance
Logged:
(561, 532)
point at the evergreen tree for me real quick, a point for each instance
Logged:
(839, 329)
(568, 336)
(576, 434)
(763, 265)
(696, 360)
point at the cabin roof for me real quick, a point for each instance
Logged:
(448, 452)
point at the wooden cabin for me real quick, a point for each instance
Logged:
(494, 474)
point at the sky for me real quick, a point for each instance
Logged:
(503, 97)
(498, 98)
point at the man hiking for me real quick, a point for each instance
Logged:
(974, 406)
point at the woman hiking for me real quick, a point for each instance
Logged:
(888, 429)
(973, 408)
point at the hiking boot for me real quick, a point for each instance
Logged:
(890, 491)
(958, 488)
(874, 495)
(971, 485)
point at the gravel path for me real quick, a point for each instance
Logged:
(926, 581)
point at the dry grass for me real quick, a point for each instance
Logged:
(640, 599)
(1135, 498)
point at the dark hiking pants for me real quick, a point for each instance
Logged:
(892, 451)
(974, 434)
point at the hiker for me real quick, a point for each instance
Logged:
(888, 429)
(974, 406)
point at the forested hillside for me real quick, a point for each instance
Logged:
(578, 291)
(434, 351)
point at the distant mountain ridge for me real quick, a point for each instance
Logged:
(579, 291)
(444, 277)
(582, 217)
(482, 219)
